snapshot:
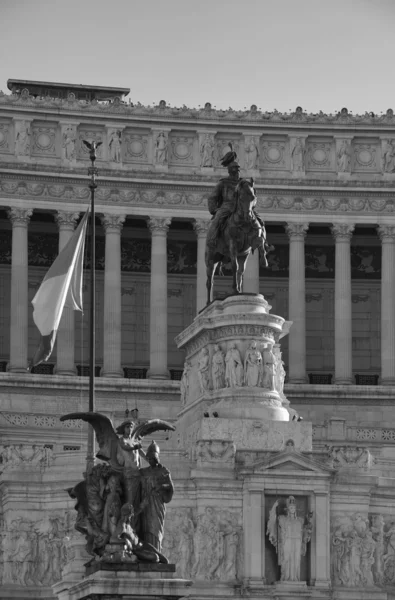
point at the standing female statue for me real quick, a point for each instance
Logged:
(218, 368)
(253, 366)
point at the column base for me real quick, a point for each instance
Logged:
(343, 381)
(388, 381)
(152, 374)
(113, 374)
(65, 372)
(11, 369)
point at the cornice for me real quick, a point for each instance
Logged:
(253, 117)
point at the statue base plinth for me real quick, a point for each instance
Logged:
(125, 580)
(292, 590)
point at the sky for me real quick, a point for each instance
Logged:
(277, 54)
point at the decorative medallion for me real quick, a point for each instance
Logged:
(365, 157)
(182, 149)
(44, 141)
(319, 155)
(273, 155)
(135, 147)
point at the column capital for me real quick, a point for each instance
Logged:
(66, 220)
(342, 232)
(296, 230)
(20, 216)
(159, 225)
(201, 226)
(112, 222)
(386, 233)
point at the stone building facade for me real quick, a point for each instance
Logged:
(325, 186)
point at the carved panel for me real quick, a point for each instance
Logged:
(274, 154)
(319, 155)
(182, 149)
(365, 156)
(5, 137)
(44, 140)
(135, 146)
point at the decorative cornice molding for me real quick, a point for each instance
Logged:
(163, 112)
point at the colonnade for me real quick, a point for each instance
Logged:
(158, 369)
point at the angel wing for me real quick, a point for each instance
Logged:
(147, 427)
(105, 434)
(87, 144)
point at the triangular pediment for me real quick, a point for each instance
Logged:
(289, 462)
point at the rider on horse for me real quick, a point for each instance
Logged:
(221, 202)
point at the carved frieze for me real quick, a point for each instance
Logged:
(206, 545)
(25, 457)
(218, 451)
(349, 457)
(5, 137)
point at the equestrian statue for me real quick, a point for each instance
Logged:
(235, 230)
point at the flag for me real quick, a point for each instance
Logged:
(62, 286)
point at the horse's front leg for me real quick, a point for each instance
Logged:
(241, 270)
(210, 270)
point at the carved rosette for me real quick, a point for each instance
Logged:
(112, 223)
(20, 217)
(342, 232)
(201, 227)
(158, 225)
(66, 220)
(297, 231)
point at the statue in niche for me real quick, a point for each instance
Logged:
(234, 367)
(290, 535)
(107, 488)
(203, 370)
(218, 368)
(69, 139)
(343, 157)
(184, 383)
(253, 368)
(22, 139)
(156, 491)
(207, 151)
(161, 149)
(298, 156)
(269, 368)
(252, 154)
(114, 146)
(388, 159)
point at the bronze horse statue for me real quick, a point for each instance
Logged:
(240, 235)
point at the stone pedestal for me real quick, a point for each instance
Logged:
(125, 580)
(253, 414)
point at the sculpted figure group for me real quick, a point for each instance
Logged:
(263, 369)
(121, 505)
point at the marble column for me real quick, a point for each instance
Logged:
(297, 302)
(158, 299)
(254, 535)
(201, 227)
(19, 325)
(342, 233)
(65, 342)
(251, 274)
(387, 236)
(112, 327)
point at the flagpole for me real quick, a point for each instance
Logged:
(93, 172)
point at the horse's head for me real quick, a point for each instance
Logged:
(245, 197)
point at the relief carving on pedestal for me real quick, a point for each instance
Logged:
(33, 552)
(184, 383)
(215, 451)
(349, 457)
(363, 554)
(22, 456)
(206, 546)
(218, 368)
